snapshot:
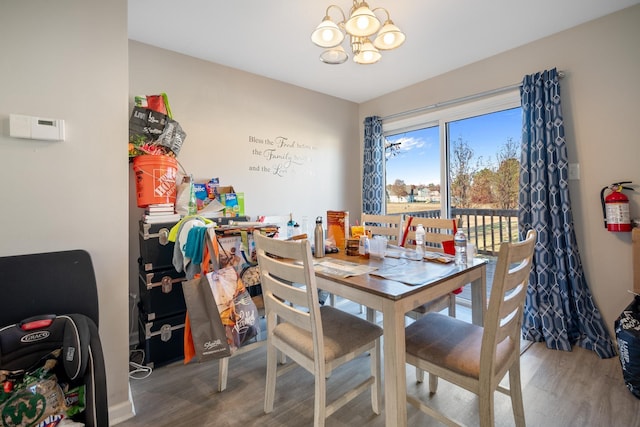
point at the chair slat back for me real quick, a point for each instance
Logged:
(437, 232)
(506, 302)
(288, 282)
(389, 226)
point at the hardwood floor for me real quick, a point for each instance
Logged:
(560, 389)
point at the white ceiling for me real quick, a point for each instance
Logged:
(271, 38)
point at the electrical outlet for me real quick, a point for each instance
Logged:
(133, 296)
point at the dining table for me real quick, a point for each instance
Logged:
(394, 285)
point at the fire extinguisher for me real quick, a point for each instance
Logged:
(615, 207)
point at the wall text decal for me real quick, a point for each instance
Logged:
(280, 156)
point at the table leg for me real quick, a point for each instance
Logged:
(395, 380)
(479, 299)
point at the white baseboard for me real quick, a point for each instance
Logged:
(123, 411)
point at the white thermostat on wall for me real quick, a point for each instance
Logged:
(30, 127)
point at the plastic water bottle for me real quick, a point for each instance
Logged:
(420, 239)
(318, 237)
(193, 203)
(304, 228)
(290, 226)
(460, 243)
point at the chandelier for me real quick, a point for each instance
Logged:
(360, 27)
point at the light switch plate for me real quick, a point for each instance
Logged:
(574, 171)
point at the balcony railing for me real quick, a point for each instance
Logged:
(485, 228)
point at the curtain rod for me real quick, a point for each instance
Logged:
(458, 100)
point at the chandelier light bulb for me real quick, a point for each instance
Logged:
(327, 35)
(388, 39)
(367, 53)
(362, 22)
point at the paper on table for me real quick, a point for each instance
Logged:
(341, 268)
(414, 273)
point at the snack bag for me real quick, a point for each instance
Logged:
(33, 403)
(75, 401)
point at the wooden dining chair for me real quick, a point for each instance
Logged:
(473, 357)
(389, 226)
(438, 237)
(317, 338)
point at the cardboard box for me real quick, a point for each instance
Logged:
(223, 189)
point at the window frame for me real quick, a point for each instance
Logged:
(440, 116)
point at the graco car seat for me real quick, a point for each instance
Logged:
(50, 306)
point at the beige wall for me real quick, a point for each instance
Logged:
(600, 96)
(221, 109)
(60, 61)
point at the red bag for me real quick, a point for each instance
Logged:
(159, 103)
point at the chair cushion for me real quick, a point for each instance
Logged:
(451, 343)
(343, 333)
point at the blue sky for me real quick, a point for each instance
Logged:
(419, 159)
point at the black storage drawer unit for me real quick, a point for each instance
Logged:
(162, 340)
(156, 251)
(160, 294)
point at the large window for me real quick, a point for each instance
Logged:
(461, 161)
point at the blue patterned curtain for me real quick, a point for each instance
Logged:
(373, 167)
(559, 308)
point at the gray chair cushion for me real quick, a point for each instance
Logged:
(343, 332)
(451, 343)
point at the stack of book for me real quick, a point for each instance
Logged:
(159, 213)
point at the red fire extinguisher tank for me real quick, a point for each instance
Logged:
(615, 208)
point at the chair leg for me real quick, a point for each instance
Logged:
(452, 305)
(376, 372)
(270, 387)
(320, 404)
(486, 409)
(433, 383)
(371, 315)
(515, 388)
(419, 375)
(223, 373)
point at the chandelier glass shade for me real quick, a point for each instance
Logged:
(361, 26)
